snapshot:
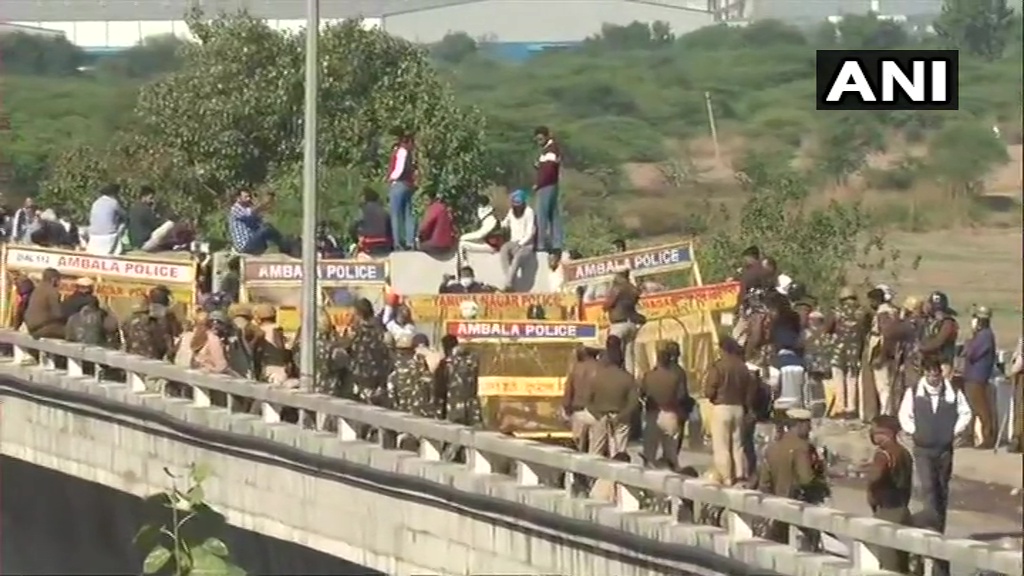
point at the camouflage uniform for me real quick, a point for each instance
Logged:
(142, 335)
(332, 363)
(87, 327)
(370, 362)
(462, 370)
(410, 385)
(819, 349)
(848, 338)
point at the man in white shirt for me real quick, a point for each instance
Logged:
(522, 231)
(106, 223)
(477, 240)
(934, 414)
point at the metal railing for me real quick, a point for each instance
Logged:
(529, 463)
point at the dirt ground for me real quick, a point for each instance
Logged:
(973, 267)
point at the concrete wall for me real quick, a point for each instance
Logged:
(373, 522)
(58, 524)
(547, 21)
(418, 273)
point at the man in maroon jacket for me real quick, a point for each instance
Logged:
(545, 188)
(401, 185)
(437, 231)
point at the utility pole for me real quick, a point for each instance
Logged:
(310, 293)
(711, 124)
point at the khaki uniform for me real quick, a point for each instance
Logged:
(877, 398)
(574, 400)
(666, 404)
(732, 390)
(789, 470)
(611, 402)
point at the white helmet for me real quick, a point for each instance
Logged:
(783, 285)
(469, 309)
(887, 292)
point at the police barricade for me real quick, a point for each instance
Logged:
(326, 427)
(523, 366)
(685, 316)
(276, 279)
(116, 279)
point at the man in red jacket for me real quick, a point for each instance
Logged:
(545, 188)
(437, 230)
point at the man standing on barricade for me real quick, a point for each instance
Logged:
(846, 325)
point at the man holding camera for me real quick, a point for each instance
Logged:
(250, 233)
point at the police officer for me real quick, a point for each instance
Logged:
(667, 404)
(270, 355)
(462, 372)
(410, 385)
(332, 360)
(582, 376)
(141, 334)
(792, 469)
(941, 332)
(846, 326)
(370, 357)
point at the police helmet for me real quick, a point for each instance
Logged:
(938, 301)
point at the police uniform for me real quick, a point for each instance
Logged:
(890, 481)
(847, 333)
(270, 356)
(140, 332)
(792, 469)
(410, 386)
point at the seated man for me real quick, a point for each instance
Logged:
(437, 231)
(487, 237)
(466, 283)
(250, 233)
(147, 231)
(521, 225)
(373, 229)
(44, 317)
(106, 223)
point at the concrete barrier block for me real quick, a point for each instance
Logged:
(287, 434)
(826, 519)
(966, 552)
(415, 272)
(244, 424)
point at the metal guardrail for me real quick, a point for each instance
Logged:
(530, 463)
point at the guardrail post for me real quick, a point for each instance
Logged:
(863, 557)
(738, 526)
(347, 432)
(626, 498)
(430, 450)
(526, 475)
(47, 360)
(200, 397)
(271, 413)
(21, 355)
(479, 463)
(75, 369)
(136, 382)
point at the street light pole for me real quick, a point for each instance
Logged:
(310, 294)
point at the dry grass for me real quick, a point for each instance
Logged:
(973, 267)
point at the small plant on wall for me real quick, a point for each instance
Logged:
(183, 537)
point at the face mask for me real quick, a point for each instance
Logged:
(974, 323)
(467, 282)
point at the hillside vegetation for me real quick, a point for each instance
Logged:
(631, 106)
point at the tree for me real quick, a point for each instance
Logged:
(153, 56)
(960, 156)
(229, 118)
(819, 245)
(183, 538)
(40, 55)
(454, 48)
(980, 27)
(844, 143)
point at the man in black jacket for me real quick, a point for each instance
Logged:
(143, 221)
